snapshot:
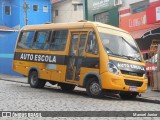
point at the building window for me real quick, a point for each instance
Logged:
(75, 7)
(139, 6)
(27, 6)
(56, 13)
(35, 7)
(102, 17)
(7, 10)
(45, 8)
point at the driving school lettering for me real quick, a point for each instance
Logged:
(38, 58)
(130, 66)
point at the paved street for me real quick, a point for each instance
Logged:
(16, 95)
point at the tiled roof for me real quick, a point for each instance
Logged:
(4, 28)
(56, 1)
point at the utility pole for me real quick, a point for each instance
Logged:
(25, 12)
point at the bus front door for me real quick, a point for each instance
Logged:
(75, 57)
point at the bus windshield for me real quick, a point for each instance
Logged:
(120, 46)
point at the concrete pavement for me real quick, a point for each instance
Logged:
(149, 94)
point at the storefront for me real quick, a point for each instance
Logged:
(137, 25)
(145, 29)
(104, 11)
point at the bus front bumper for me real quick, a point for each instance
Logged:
(123, 83)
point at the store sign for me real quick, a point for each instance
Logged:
(158, 59)
(94, 5)
(100, 3)
(135, 22)
(153, 15)
(151, 67)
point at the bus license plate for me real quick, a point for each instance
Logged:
(133, 88)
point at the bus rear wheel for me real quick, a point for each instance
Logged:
(66, 87)
(34, 81)
(94, 89)
(128, 96)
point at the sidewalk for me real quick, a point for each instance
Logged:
(149, 94)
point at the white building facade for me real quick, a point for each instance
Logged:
(67, 11)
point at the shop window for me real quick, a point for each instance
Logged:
(25, 41)
(42, 40)
(139, 6)
(7, 10)
(35, 7)
(102, 17)
(59, 38)
(92, 46)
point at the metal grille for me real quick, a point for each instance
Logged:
(131, 73)
(133, 83)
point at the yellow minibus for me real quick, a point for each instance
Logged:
(91, 55)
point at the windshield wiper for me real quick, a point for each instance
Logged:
(132, 58)
(124, 56)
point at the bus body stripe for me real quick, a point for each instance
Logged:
(89, 62)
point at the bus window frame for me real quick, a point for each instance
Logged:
(19, 38)
(35, 38)
(96, 36)
(51, 38)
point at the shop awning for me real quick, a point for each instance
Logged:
(144, 33)
(155, 31)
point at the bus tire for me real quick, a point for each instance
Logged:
(93, 88)
(34, 81)
(66, 87)
(128, 96)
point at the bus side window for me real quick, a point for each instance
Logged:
(145, 56)
(42, 40)
(25, 40)
(59, 39)
(92, 46)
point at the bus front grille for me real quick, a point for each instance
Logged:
(131, 73)
(133, 83)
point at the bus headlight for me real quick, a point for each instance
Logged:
(112, 68)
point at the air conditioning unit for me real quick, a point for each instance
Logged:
(117, 2)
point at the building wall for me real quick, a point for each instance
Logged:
(7, 45)
(36, 17)
(95, 7)
(137, 22)
(16, 19)
(66, 12)
(124, 10)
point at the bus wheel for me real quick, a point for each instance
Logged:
(128, 96)
(66, 87)
(94, 89)
(34, 81)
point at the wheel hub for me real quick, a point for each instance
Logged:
(95, 88)
(33, 80)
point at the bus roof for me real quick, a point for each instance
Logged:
(79, 24)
